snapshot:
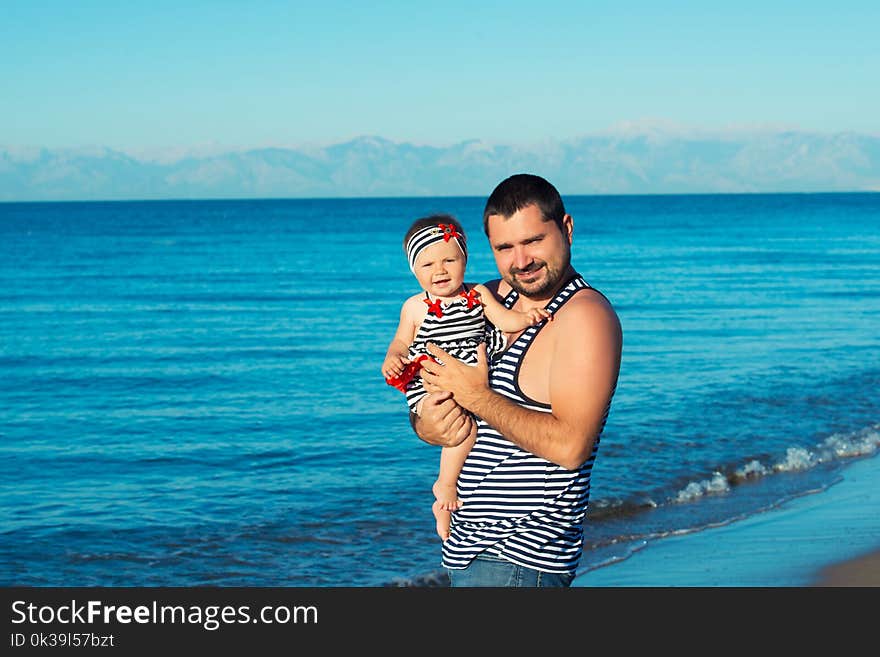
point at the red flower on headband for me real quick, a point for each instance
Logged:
(473, 298)
(434, 307)
(449, 232)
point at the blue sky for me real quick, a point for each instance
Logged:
(170, 74)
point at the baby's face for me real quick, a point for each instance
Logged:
(440, 269)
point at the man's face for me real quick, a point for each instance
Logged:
(532, 255)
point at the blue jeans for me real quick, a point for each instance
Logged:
(492, 571)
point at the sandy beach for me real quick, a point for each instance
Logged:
(828, 538)
(861, 571)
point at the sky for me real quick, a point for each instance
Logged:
(147, 75)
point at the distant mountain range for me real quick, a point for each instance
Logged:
(625, 162)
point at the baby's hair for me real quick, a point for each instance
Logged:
(432, 220)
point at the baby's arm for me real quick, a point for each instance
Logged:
(509, 321)
(395, 360)
(397, 355)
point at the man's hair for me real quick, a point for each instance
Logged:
(431, 220)
(520, 191)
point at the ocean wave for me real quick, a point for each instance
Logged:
(836, 447)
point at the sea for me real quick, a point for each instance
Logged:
(191, 395)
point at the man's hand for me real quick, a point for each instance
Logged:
(467, 383)
(442, 421)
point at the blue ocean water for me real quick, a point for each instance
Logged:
(190, 391)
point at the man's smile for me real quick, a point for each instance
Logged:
(528, 274)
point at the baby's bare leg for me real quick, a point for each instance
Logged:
(445, 488)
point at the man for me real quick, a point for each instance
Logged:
(540, 405)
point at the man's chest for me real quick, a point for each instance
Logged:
(533, 365)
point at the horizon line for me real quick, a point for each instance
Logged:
(246, 199)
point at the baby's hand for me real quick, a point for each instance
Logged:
(393, 365)
(538, 315)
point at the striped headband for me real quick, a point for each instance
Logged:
(431, 235)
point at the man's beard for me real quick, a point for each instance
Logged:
(540, 288)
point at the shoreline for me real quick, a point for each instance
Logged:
(827, 538)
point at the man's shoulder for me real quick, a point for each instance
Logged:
(588, 306)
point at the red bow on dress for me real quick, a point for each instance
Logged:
(473, 299)
(434, 307)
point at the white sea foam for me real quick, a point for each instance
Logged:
(860, 443)
(717, 483)
(795, 459)
(752, 470)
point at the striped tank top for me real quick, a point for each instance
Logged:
(459, 330)
(516, 505)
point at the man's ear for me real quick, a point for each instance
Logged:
(568, 227)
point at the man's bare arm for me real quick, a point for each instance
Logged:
(582, 374)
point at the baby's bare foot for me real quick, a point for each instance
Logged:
(447, 496)
(443, 518)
